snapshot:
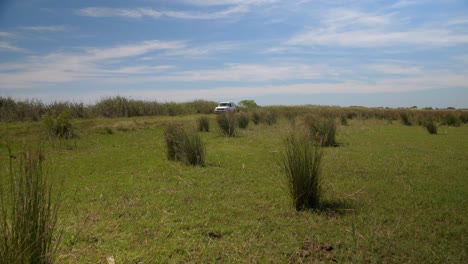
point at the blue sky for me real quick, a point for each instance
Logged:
(327, 52)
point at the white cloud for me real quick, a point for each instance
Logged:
(394, 69)
(5, 34)
(248, 73)
(228, 2)
(405, 3)
(46, 28)
(344, 18)
(91, 63)
(353, 28)
(203, 50)
(378, 38)
(5, 45)
(149, 12)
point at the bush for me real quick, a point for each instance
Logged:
(256, 117)
(227, 124)
(301, 164)
(203, 124)
(405, 119)
(464, 117)
(184, 146)
(270, 118)
(174, 136)
(431, 127)
(193, 150)
(452, 120)
(243, 120)
(322, 129)
(61, 126)
(344, 120)
(28, 212)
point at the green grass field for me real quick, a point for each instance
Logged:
(393, 194)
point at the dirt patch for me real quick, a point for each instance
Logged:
(313, 252)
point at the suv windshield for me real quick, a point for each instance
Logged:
(224, 104)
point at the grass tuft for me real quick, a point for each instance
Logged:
(184, 146)
(193, 150)
(256, 117)
(60, 127)
(452, 120)
(243, 120)
(322, 129)
(28, 219)
(203, 124)
(174, 137)
(227, 124)
(405, 119)
(431, 127)
(301, 164)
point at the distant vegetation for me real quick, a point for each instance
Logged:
(34, 110)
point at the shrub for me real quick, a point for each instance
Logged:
(203, 124)
(322, 129)
(464, 117)
(184, 146)
(301, 164)
(431, 127)
(60, 126)
(28, 212)
(270, 118)
(256, 117)
(452, 120)
(227, 124)
(344, 120)
(193, 150)
(243, 120)
(174, 137)
(405, 119)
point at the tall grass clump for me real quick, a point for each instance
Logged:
(193, 150)
(184, 146)
(452, 120)
(174, 135)
(431, 127)
(344, 120)
(204, 124)
(243, 120)
(60, 127)
(301, 164)
(256, 117)
(322, 129)
(270, 118)
(28, 211)
(227, 124)
(405, 120)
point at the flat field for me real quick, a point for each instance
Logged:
(392, 194)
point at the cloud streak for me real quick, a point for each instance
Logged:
(357, 29)
(157, 14)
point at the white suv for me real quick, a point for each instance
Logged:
(226, 107)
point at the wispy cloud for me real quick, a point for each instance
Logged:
(249, 73)
(5, 45)
(228, 2)
(156, 14)
(406, 3)
(88, 64)
(350, 28)
(45, 28)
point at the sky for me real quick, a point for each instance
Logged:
(373, 53)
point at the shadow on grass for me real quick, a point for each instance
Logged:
(334, 208)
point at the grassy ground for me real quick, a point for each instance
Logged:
(393, 194)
